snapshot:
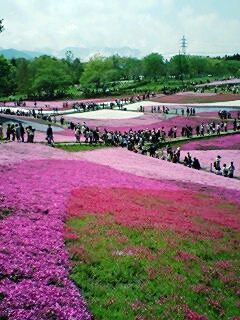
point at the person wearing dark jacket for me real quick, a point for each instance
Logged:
(50, 135)
(196, 164)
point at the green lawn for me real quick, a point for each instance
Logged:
(131, 273)
(76, 147)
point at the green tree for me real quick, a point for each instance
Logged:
(7, 77)
(198, 66)
(132, 68)
(179, 66)
(49, 77)
(22, 75)
(97, 73)
(76, 68)
(153, 66)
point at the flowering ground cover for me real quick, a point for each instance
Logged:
(227, 143)
(49, 105)
(147, 239)
(34, 282)
(155, 254)
(122, 159)
(207, 157)
(192, 97)
(148, 121)
(220, 82)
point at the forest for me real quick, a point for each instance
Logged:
(48, 77)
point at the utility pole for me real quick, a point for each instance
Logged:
(1, 25)
(183, 45)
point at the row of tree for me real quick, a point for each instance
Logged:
(49, 77)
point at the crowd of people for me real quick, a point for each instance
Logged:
(16, 132)
(226, 171)
(134, 137)
(225, 114)
(146, 141)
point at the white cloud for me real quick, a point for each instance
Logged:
(150, 25)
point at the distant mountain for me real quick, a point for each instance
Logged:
(86, 53)
(13, 53)
(79, 52)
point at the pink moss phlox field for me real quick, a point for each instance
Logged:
(34, 264)
(131, 162)
(196, 97)
(206, 157)
(33, 261)
(147, 121)
(17, 152)
(49, 105)
(228, 142)
(193, 315)
(196, 94)
(164, 209)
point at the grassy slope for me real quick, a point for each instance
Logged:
(78, 147)
(154, 273)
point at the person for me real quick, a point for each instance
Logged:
(178, 152)
(174, 157)
(175, 132)
(8, 133)
(189, 159)
(77, 134)
(231, 169)
(1, 131)
(185, 161)
(13, 132)
(169, 153)
(196, 164)
(217, 164)
(225, 170)
(235, 124)
(30, 134)
(22, 131)
(197, 130)
(50, 135)
(18, 132)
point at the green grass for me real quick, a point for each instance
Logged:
(76, 147)
(130, 273)
(5, 212)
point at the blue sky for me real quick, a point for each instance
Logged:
(210, 26)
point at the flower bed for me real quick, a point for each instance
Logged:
(132, 263)
(33, 262)
(49, 105)
(198, 98)
(148, 121)
(231, 142)
(206, 157)
(133, 226)
(122, 159)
